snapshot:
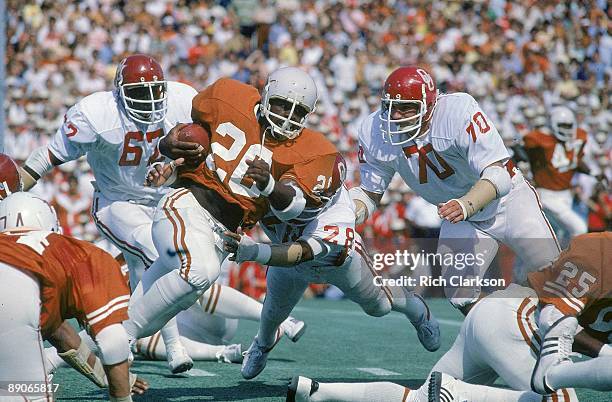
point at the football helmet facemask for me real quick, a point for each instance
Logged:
(142, 89)
(563, 122)
(290, 95)
(406, 89)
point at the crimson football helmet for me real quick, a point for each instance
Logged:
(407, 86)
(142, 88)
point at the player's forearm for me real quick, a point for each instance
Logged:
(586, 344)
(76, 353)
(38, 164)
(118, 382)
(365, 203)
(494, 183)
(287, 200)
(280, 255)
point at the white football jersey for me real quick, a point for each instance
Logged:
(119, 150)
(331, 234)
(443, 164)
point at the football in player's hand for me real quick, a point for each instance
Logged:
(10, 181)
(195, 133)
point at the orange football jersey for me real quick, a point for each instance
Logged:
(312, 162)
(228, 108)
(579, 283)
(77, 279)
(553, 162)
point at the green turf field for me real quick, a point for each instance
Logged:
(340, 344)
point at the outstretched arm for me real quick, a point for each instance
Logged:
(282, 255)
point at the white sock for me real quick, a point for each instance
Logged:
(408, 303)
(153, 349)
(170, 333)
(593, 374)
(478, 393)
(360, 392)
(165, 298)
(230, 303)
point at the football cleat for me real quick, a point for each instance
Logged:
(300, 389)
(428, 330)
(556, 349)
(178, 358)
(293, 329)
(230, 354)
(444, 388)
(255, 360)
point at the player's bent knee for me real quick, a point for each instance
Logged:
(114, 344)
(202, 276)
(380, 308)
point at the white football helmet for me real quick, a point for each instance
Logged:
(563, 122)
(24, 210)
(295, 88)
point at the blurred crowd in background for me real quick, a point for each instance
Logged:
(517, 58)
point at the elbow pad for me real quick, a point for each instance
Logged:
(114, 344)
(39, 162)
(499, 177)
(295, 207)
(361, 214)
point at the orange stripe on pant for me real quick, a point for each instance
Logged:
(214, 306)
(213, 290)
(527, 333)
(368, 262)
(178, 225)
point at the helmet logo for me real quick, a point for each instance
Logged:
(426, 78)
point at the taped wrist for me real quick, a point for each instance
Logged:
(479, 196)
(77, 359)
(365, 207)
(606, 350)
(264, 251)
(38, 162)
(269, 187)
(294, 209)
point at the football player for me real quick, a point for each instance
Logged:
(485, 349)
(449, 152)
(576, 291)
(47, 278)
(212, 197)
(119, 131)
(554, 159)
(312, 225)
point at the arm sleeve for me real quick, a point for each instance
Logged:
(74, 138)
(375, 176)
(478, 139)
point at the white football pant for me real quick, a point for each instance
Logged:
(498, 338)
(559, 205)
(520, 224)
(21, 350)
(190, 247)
